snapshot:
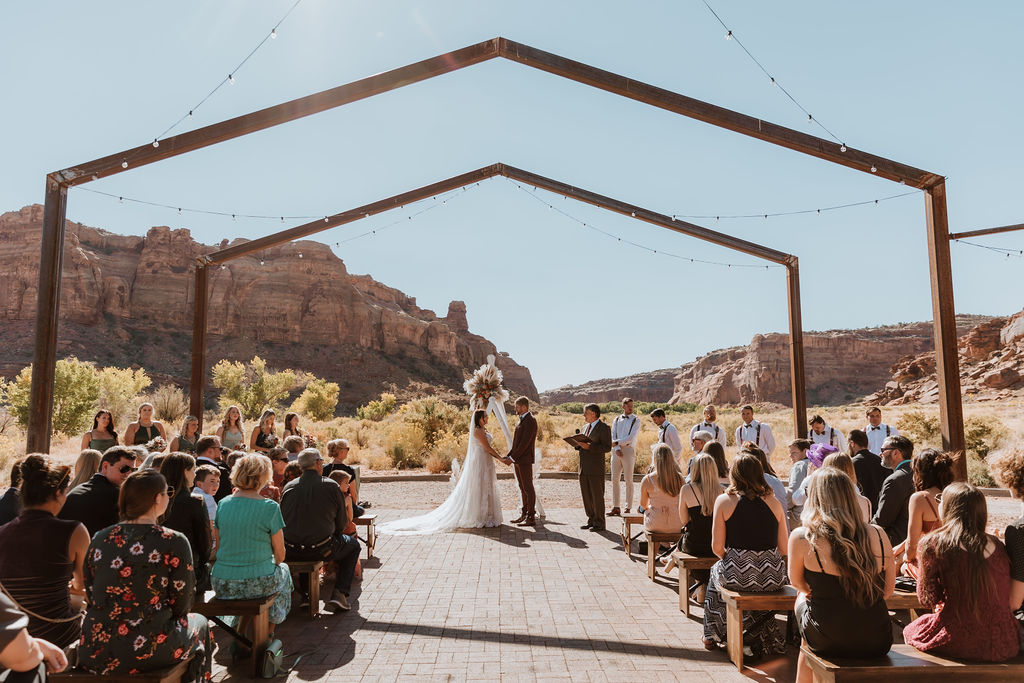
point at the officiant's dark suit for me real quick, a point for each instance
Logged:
(592, 469)
(524, 441)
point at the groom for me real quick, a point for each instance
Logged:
(522, 456)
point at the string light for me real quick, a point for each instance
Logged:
(231, 79)
(124, 164)
(273, 33)
(999, 250)
(404, 220)
(799, 212)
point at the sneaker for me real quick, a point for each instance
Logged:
(338, 602)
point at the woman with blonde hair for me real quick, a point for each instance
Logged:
(144, 429)
(659, 493)
(844, 570)
(696, 506)
(231, 432)
(263, 436)
(188, 435)
(88, 464)
(844, 463)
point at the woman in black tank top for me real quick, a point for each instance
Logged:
(145, 429)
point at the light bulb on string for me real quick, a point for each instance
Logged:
(179, 210)
(873, 169)
(231, 79)
(773, 80)
(223, 267)
(120, 200)
(232, 216)
(261, 262)
(124, 164)
(842, 147)
(273, 33)
(728, 35)
(300, 254)
(156, 143)
(810, 118)
(190, 114)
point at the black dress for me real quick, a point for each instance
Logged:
(834, 626)
(187, 513)
(696, 540)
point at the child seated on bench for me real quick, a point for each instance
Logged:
(344, 480)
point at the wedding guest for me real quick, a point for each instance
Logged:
(10, 502)
(748, 533)
(709, 425)
(291, 472)
(877, 432)
(263, 436)
(206, 485)
(141, 454)
(932, 473)
(291, 425)
(344, 482)
(696, 505)
(293, 445)
(208, 452)
(88, 464)
(141, 586)
(667, 432)
(94, 503)
(234, 456)
(758, 433)
(102, 435)
(187, 512)
(778, 488)
(1008, 469)
(145, 429)
(26, 659)
(797, 473)
(337, 451)
(894, 498)
(250, 558)
(41, 556)
(659, 493)
(625, 432)
(843, 569)
(717, 451)
(231, 432)
(843, 463)
(870, 470)
(188, 435)
(279, 459)
(965, 578)
(697, 442)
(822, 432)
(592, 466)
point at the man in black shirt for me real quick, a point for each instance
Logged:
(94, 503)
(337, 451)
(868, 467)
(208, 453)
(894, 499)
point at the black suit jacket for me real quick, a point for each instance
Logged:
(93, 503)
(870, 475)
(894, 503)
(592, 459)
(524, 441)
(10, 505)
(187, 513)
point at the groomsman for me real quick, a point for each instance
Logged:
(758, 433)
(876, 431)
(592, 466)
(667, 432)
(625, 431)
(822, 432)
(709, 425)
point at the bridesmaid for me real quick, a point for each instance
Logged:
(231, 433)
(263, 437)
(145, 429)
(102, 435)
(185, 441)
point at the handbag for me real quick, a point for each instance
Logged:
(273, 659)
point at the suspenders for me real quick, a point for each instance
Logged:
(757, 434)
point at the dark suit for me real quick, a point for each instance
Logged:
(10, 505)
(870, 475)
(894, 503)
(522, 454)
(592, 472)
(93, 503)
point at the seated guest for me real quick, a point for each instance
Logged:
(1008, 469)
(717, 452)
(778, 488)
(933, 472)
(816, 455)
(844, 571)
(145, 430)
(185, 441)
(337, 451)
(94, 503)
(88, 464)
(279, 459)
(292, 471)
(250, 558)
(10, 502)
(187, 512)
(234, 456)
(893, 512)
(152, 461)
(843, 463)
(263, 436)
(208, 452)
(315, 520)
(696, 504)
(207, 484)
(25, 659)
(344, 482)
(797, 474)
(40, 554)
(870, 470)
(748, 533)
(697, 443)
(659, 493)
(141, 587)
(293, 445)
(231, 432)
(102, 435)
(965, 578)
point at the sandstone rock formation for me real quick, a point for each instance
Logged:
(128, 299)
(656, 385)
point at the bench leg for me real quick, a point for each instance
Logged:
(734, 634)
(314, 593)
(260, 640)
(371, 539)
(684, 588)
(652, 552)
(625, 537)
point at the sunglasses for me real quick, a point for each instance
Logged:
(170, 492)
(125, 469)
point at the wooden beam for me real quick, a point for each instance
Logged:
(986, 231)
(51, 258)
(947, 361)
(797, 369)
(199, 315)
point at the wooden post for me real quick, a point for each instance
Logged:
(51, 257)
(198, 381)
(947, 361)
(797, 370)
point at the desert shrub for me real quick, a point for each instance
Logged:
(119, 392)
(76, 387)
(379, 461)
(251, 386)
(377, 410)
(978, 473)
(643, 461)
(405, 444)
(924, 430)
(434, 417)
(447, 447)
(983, 434)
(169, 405)
(318, 400)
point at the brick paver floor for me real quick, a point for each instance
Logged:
(555, 603)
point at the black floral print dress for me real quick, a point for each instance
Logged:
(140, 584)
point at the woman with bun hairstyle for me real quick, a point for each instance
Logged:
(933, 471)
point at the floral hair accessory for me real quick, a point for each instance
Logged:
(485, 383)
(819, 451)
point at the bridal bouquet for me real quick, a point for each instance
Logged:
(485, 383)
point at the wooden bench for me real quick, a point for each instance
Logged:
(904, 663)
(686, 563)
(312, 571)
(214, 608)
(629, 519)
(654, 541)
(171, 675)
(369, 520)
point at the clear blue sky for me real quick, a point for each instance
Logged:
(932, 84)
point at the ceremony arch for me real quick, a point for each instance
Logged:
(933, 185)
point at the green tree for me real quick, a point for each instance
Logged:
(251, 386)
(119, 392)
(377, 410)
(318, 400)
(76, 386)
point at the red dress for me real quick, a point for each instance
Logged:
(988, 634)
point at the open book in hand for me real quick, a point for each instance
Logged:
(576, 440)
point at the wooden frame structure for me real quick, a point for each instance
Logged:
(58, 182)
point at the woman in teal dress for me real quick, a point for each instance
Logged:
(231, 432)
(102, 435)
(185, 441)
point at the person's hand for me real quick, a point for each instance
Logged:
(585, 446)
(508, 460)
(54, 657)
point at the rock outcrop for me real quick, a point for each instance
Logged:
(656, 385)
(129, 300)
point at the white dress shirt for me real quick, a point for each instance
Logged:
(829, 435)
(715, 430)
(668, 434)
(876, 435)
(749, 432)
(625, 431)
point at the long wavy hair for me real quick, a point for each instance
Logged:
(267, 414)
(184, 428)
(832, 514)
(226, 421)
(110, 424)
(843, 463)
(173, 467)
(88, 464)
(747, 477)
(717, 453)
(958, 546)
(705, 479)
(932, 468)
(666, 471)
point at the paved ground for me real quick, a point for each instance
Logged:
(554, 603)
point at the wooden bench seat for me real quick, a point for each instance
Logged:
(369, 520)
(904, 663)
(654, 541)
(312, 571)
(258, 609)
(628, 520)
(170, 675)
(687, 563)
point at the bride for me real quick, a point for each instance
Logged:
(474, 502)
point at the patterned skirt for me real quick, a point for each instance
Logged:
(752, 571)
(279, 582)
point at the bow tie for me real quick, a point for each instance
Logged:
(749, 425)
(878, 427)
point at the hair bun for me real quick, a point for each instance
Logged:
(33, 465)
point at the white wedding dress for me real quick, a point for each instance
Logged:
(474, 502)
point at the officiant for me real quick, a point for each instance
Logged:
(592, 466)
